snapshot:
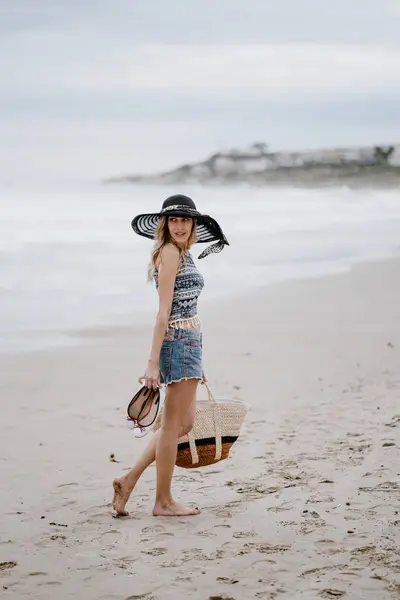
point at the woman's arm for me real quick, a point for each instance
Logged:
(169, 261)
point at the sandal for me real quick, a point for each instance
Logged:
(143, 409)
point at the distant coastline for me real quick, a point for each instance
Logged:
(368, 166)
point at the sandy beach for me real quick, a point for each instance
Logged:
(308, 504)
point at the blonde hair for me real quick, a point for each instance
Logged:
(163, 237)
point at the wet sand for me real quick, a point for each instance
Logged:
(308, 504)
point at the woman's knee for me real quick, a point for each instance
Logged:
(171, 426)
(187, 425)
(179, 410)
(180, 426)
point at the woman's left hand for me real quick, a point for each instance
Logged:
(204, 380)
(151, 378)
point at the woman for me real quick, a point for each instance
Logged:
(175, 358)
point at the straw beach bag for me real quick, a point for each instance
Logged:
(216, 428)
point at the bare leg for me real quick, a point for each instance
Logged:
(124, 486)
(179, 401)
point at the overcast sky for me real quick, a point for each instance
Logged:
(92, 88)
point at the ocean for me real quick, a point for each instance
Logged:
(69, 259)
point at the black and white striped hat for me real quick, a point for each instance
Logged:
(207, 228)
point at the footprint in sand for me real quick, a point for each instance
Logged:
(58, 537)
(331, 593)
(228, 510)
(69, 503)
(364, 552)
(350, 572)
(394, 422)
(153, 529)
(318, 571)
(394, 587)
(280, 508)
(155, 551)
(262, 548)
(154, 538)
(312, 457)
(311, 524)
(187, 478)
(228, 580)
(372, 556)
(351, 450)
(224, 514)
(125, 562)
(286, 463)
(328, 547)
(387, 486)
(320, 498)
(288, 523)
(268, 595)
(355, 514)
(5, 566)
(243, 534)
(111, 531)
(195, 554)
(252, 490)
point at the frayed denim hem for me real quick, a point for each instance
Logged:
(182, 379)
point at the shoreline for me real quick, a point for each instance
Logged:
(93, 273)
(84, 336)
(307, 501)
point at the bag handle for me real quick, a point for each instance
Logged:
(217, 426)
(193, 450)
(210, 396)
(217, 423)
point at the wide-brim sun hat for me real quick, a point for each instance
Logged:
(178, 205)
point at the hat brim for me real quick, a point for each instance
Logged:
(207, 228)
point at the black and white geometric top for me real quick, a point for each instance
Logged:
(189, 283)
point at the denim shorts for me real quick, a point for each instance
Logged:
(181, 356)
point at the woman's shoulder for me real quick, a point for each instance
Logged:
(169, 256)
(170, 250)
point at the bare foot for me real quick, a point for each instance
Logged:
(174, 509)
(121, 496)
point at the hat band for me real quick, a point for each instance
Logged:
(181, 207)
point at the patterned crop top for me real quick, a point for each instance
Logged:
(189, 283)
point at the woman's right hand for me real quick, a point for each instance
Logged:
(151, 378)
